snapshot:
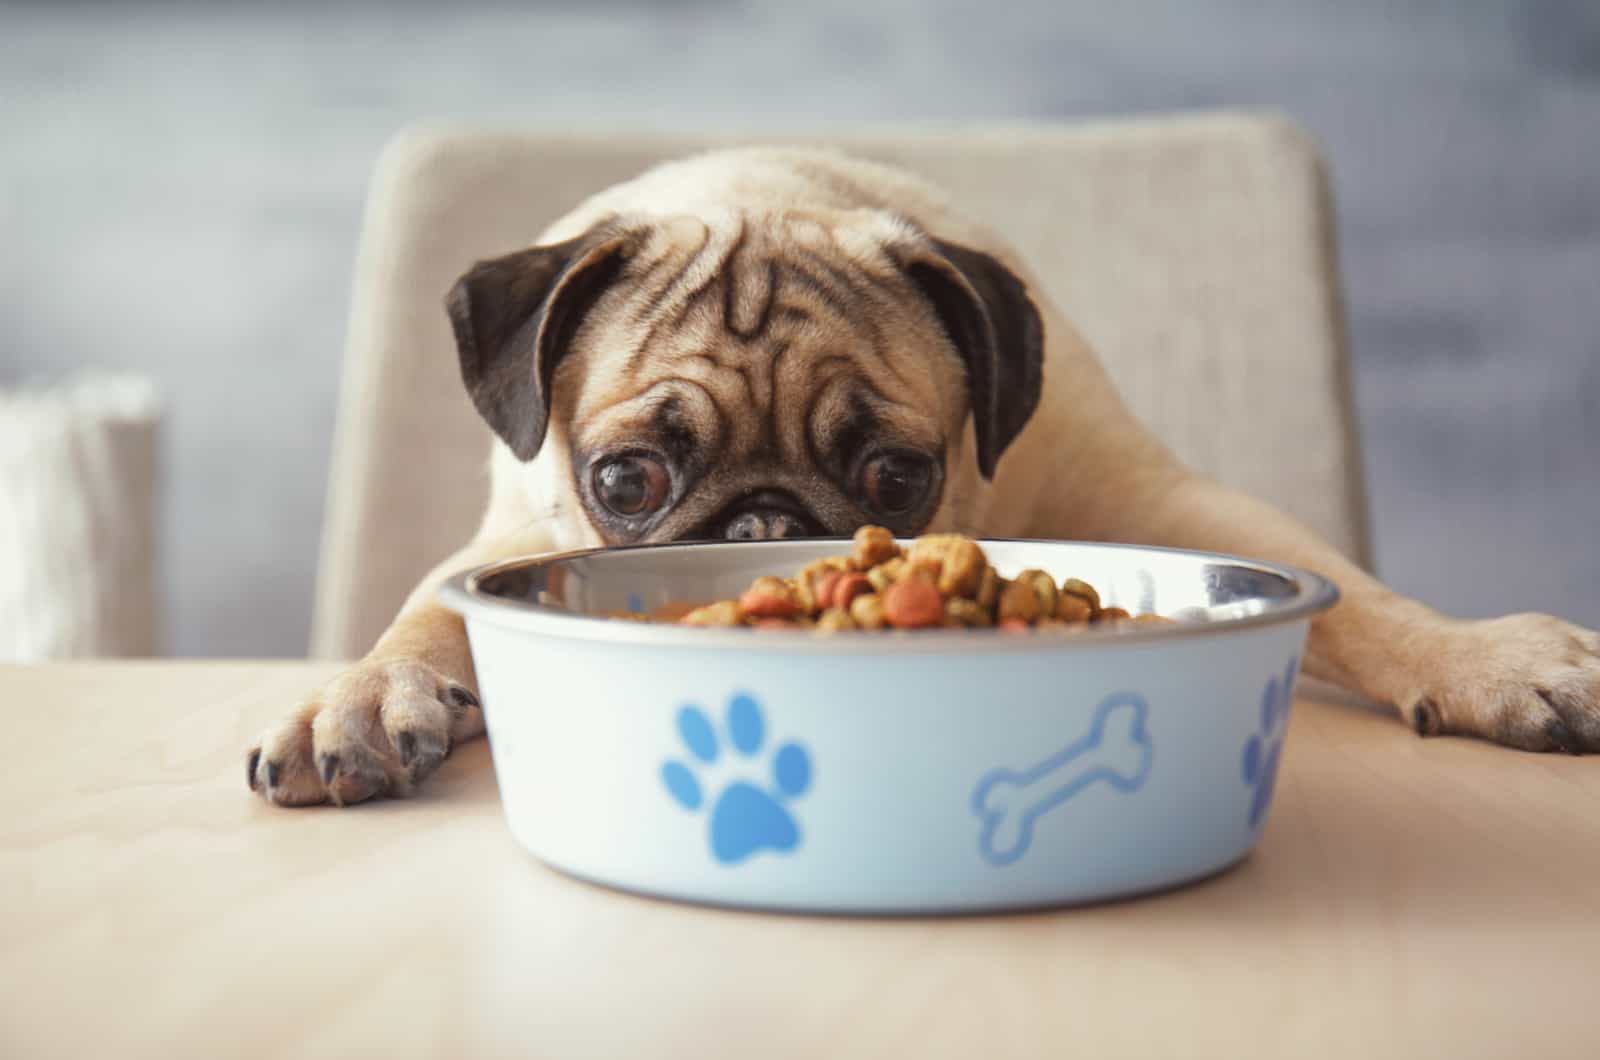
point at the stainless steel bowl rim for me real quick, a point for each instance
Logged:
(462, 594)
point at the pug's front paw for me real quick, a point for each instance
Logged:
(1528, 681)
(378, 728)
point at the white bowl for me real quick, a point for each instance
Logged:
(933, 771)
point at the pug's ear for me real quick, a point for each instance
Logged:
(514, 318)
(985, 309)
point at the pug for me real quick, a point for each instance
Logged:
(772, 343)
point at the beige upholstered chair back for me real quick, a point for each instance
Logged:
(1194, 253)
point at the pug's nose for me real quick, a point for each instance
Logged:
(764, 525)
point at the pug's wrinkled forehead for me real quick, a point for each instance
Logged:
(754, 375)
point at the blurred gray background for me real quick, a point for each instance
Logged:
(181, 189)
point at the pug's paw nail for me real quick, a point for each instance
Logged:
(1425, 717)
(463, 697)
(1563, 738)
(250, 769)
(330, 767)
(407, 744)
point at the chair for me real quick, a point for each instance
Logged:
(1195, 253)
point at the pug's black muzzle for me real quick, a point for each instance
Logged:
(763, 516)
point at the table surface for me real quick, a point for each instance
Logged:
(1409, 898)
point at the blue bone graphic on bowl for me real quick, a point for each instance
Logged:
(1116, 750)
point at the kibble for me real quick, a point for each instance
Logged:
(873, 545)
(827, 585)
(1071, 608)
(722, 613)
(886, 574)
(1044, 587)
(833, 620)
(1019, 601)
(912, 603)
(1084, 591)
(963, 567)
(770, 597)
(867, 611)
(939, 581)
(847, 588)
(966, 612)
(988, 588)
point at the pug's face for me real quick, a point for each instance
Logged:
(784, 375)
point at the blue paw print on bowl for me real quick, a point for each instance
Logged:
(745, 817)
(1260, 764)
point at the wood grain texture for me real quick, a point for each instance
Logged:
(1410, 898)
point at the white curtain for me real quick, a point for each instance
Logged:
(78, 520)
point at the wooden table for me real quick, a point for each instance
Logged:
(1410, 898)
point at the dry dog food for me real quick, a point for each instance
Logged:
(940, 581)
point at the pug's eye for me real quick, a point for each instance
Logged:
(631, 485)
(895, 483)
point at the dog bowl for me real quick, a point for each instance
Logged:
(934, 771)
